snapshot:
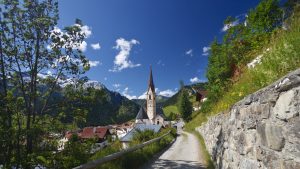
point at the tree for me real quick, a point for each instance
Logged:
(30, 46)
(185, 107)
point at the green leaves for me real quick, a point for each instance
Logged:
(185, 107)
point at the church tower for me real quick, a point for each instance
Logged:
(151, 102)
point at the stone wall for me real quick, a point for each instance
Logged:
(260, 131)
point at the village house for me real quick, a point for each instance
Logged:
(99, 133)
(141, 127)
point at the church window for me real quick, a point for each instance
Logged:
(149, 97)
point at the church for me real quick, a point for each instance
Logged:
(149, 113)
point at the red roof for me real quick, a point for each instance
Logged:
(88, 132)
(93, 132)
(101, 132)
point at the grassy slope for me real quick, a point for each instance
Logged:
(283, 57)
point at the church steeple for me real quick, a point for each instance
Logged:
(151, 84)
(151, 100)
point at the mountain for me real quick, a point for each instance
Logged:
(99, 105)
(173, 100)
(159, 100)
(104, 106)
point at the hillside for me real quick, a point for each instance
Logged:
(170, 107)
(101, 105)
(160, 100)
(95, 104)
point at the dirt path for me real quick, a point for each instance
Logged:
(183, 154)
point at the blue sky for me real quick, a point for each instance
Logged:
(170, 35)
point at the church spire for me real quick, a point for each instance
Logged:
(151, 84)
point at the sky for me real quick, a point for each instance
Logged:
(125, 37)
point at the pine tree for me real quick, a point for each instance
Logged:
(184, 105)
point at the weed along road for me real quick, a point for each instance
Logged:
(183, 154)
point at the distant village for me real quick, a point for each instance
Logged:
(149, 117)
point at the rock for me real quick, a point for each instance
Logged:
(287, 106)
(289, 82)
(271, 136)
(291, 165)
(262, 110)
(260, 131)
(248, 164)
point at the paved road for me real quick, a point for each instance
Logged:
(183, 154)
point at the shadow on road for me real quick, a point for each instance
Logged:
(180, 164)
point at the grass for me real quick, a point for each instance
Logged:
(137, 158)
(282, 58)
(208, 162)
(168, 110)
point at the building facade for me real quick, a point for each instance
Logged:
(150, 113)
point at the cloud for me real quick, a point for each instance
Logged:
(205, 50)
(195, 80)
(105, 78)
(116, 85)
(189, 52)
(82, 46)
(96, 46)
(143, 96)
(57, 32)
(86, 30)
(94, 63)
(167, 93)
(122, 58)
(228, 26)
(126, 94)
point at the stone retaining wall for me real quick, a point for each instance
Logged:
(260, 131)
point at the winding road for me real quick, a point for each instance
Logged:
(183, 154)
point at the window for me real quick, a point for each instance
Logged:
(149, 97)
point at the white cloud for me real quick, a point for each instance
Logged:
(126, 94)
(57, 32)
(86, 30)
(96, 46)
(189, 52)
(82, 46)
(143, 96)
(194, 80)
(228, 26)
(94, 63)
(116, 85)
(167, 93)
(205, 50)
(122, 58)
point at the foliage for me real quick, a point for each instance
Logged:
(137, 158)
(30, 45)
(142, 136)
(171, 112)
(184, 105)
(281, 57)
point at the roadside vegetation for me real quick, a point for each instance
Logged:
(137, 158)
(270, 32)
(274, 34)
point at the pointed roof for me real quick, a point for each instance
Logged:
(151, 84)
(142, 114)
